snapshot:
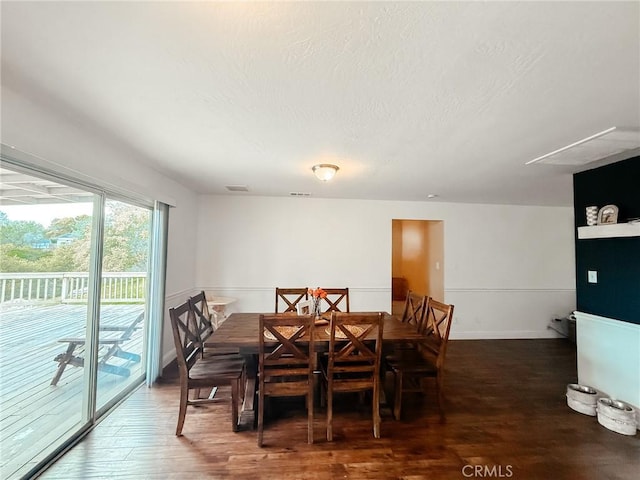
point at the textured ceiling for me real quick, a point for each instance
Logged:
(408, 98)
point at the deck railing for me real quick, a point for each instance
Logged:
(70, 287)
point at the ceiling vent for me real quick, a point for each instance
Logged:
(612, 141)
(237, 188)
(299, 194)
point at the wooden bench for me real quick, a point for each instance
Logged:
(110, 340)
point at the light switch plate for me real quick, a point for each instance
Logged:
(592, 276)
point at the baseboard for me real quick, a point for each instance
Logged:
(506, 335)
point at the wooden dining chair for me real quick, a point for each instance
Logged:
(337, 300)
(411, 367)
(414, 314)
(290, 298)
(415, 309)
(353, 361)
(197, 372)
(203, 319)
(286, 361)
(204, 326)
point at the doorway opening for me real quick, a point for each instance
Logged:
(417, 260)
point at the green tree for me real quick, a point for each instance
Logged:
(76, 227)
(18, 255)
(21, 233)
(12, 259)
(126, 239)
(22, 259)
(66, 258)
(126, 242)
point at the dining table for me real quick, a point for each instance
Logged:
(240, 331)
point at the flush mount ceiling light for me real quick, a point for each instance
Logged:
(325, 171)
(603, 144)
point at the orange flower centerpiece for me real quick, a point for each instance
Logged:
(316, 298)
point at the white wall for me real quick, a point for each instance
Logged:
(508, 269)
(609, 357)
(66, 141)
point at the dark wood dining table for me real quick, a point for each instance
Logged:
(241, 330)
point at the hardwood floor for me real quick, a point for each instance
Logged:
(506, 418)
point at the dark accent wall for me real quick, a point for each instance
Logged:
(617, 260)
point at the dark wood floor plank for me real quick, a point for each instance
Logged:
(505, 407)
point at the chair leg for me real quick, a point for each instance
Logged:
(235, 388)
(397, 402)
(440, 393)
(330, 413)
(260, 415)
(63, 361)
(310, 416)
(376, 408)
(184, 399)
(243, 381)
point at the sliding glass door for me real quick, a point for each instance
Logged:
(74, 277)
(125, 260)
(45, 251)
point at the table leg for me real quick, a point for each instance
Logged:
(385, 407)
(248, 412)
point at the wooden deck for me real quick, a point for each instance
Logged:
(33, 413)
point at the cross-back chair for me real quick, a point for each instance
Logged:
(290, 297)
(203, 319)
(414, 313)
(204, 326)
(337, 300)
(353, 361)
(415, 308)
(426, 360)
(286, 363)
(197, 372)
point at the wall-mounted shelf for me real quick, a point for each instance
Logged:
(610, 231)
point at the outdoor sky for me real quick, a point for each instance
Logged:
(45, 213)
